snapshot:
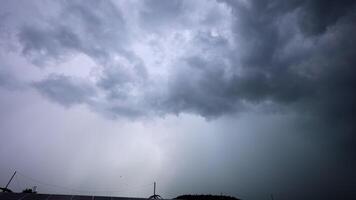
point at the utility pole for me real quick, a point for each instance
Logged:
(154, 188)
(272, 197)
(155, 196)
(8, 183)
(5, 189)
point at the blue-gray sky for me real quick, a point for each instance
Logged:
(246, 98)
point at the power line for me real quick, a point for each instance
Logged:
(86, 190)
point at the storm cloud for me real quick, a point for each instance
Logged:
(214, 59)
(286, 53)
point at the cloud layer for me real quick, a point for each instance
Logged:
(232, 56)
(215, 63)
(208, 59)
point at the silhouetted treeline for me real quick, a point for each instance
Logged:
(206, 197)
(28, 190)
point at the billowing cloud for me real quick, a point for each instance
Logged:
(273, 53)
(265, 54)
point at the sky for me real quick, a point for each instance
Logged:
(237, 97)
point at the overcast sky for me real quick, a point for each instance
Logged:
(241, 97)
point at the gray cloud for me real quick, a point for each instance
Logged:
(318, 15)
(65, 90)
(276, 57)
(309, 77)
(41, 45)
(97, 33)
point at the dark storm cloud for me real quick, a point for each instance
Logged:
(280, 63)
(319, 76)
(65, 90)
(319, 15)
(297, 53)
(200, 87)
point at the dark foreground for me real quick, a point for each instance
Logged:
(32, 196)
(206, 197)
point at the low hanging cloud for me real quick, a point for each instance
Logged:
(296, 55)
(65, 90)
